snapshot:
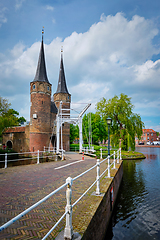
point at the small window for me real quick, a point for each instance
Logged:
(48, 88)
(35, 116)
(42, 102)
(34, 86)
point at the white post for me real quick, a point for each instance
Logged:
(109, 175)
(5, 160)
(120, 154)
(80, 134)
(101, 153)
(62, 154)
(98, 173)
(57, 133)
(68, 231)
(38, 157)
(61, 130)
(114, 166)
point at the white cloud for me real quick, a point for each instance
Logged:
(53, 20)
(147, 72)
(19, 4)
(3, 18)
(48, 7)
(112, 57)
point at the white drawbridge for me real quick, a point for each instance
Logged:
(63, 116)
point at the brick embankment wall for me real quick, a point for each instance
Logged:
(95, 213)
(150, 146)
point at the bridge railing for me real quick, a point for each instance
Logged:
(68, 231)
(28, 156)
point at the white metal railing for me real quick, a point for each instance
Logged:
(37, 155)
(102, 149)
(68, 232)
(49, 149)
(87, 150)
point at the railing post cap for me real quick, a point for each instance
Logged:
(69, 180)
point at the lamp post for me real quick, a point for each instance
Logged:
(109, 122)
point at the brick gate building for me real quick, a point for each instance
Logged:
(43, 109)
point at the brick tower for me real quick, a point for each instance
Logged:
(40, 109)
(62, 95)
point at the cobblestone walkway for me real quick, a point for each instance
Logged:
(22, 186)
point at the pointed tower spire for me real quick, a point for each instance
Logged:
(41, 74)
(62, 87)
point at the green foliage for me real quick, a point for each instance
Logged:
(8, 116)
(76, 146)
(21, 120)
(125, 124)
(74, 132)
(93, 127)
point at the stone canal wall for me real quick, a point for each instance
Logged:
(94, 215)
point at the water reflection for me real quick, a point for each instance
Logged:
(137, 211)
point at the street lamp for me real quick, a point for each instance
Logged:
(109, 122)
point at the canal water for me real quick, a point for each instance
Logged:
(137, 212)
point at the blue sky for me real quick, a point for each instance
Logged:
(110, 47)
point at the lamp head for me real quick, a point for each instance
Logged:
(109, 121)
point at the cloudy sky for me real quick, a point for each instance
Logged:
(110, 47)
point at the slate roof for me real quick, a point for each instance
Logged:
(53, 108)
(62, 87)
(41, 74)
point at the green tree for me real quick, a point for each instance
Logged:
(125, 124)
(8, 116)
(74, 132)
(94, 128)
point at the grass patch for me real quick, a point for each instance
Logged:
(126, 155)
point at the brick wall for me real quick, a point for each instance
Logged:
(19, 139)
(40, 115)
(38, 141)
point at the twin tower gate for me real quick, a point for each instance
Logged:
(63, 116)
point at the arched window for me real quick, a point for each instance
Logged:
(9, 144)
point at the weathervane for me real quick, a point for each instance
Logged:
(61, 51)
(42, 32)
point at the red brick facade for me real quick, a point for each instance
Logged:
(17, 138)
(149, 135)
(38, 141)
(40, 115)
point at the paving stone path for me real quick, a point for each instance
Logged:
(22, 186)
